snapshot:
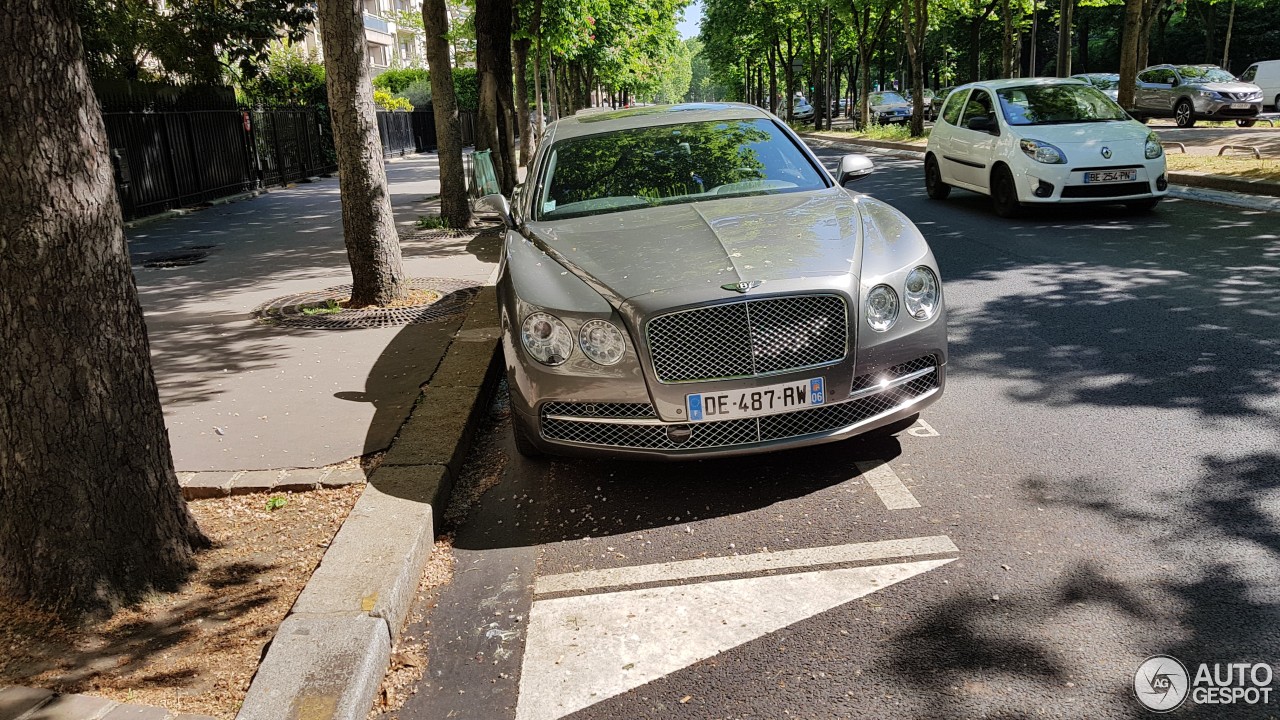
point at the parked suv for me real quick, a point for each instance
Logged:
(1188, 93)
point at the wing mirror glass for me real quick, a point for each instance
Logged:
(497, 204)
(984, 124)
(854, 167)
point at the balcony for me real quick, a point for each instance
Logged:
(377, 24)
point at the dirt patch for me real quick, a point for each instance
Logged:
(196, 650)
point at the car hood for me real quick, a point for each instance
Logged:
(710, 243)
(1085, 133)
(1230, 87)
(891, 106)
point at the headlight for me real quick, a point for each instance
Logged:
(546, 338)
(1154, 148)
(602, 341)
(1215, 95)
(1041, 151)
(882, 308)
(921, 296)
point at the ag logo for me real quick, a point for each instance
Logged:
(743, 286)
(1106, 152)
(1161, 683)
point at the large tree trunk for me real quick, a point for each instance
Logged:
(495, 124)
(1129, 51)
(1064, 37)
(1006, 40)
(91, 515)
(521, 50)
(537, 59)
(455, 206)
(368, 227)
(1082, 43)
(915, 25)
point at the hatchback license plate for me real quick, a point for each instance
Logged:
(1109, 176)
(1241, 106)
(754, 402)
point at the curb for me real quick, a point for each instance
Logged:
(1217, 189)
(330, 654)
(179, 212)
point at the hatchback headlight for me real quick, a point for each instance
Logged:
(882, 308)
(1042, 152)
(1154, 148)
(602, 341)
(921, 296)
(546, 338)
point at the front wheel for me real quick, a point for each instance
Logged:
(1142, 206)
(1004, 194)
(933, 184)
(1184, 114)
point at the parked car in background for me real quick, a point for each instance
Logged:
(688, 281)
(888, 108)
(1043, 140)
(801, 109)
(1266, 75)
(1108, 83)
(935, 105)
(1188, 93)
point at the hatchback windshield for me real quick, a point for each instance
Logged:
(1192, 73)
(670, 164)
(886, 98)
(1103, 82)
(1058, 105)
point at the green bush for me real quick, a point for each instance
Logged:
(387, 101)
(466, 87)
(418, 93)
(291, 77)
(397, 80)
(414, 85)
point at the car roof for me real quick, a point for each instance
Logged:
(602, 120)
(1021, 82)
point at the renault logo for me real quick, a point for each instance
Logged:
(1106, 152)
(743, 286)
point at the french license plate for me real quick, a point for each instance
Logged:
(754, 402)
(1110, 176)
(1241, 106)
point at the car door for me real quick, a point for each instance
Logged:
(1148, 95)
(943, 134)
(973, 149)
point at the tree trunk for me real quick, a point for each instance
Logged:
(1082, 43)
(1129, 51)
(91, 515)
(975, 46)
(495, 124)
(1064, 37)
(1006, 40)
(521, 50)
(368, 227)
(915, 25)
(773, 77)
(537, 71)
(455, 206)
(1226, 48)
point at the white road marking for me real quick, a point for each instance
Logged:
(922, 429)
(737, 564)
(885, 482)
(584, 649)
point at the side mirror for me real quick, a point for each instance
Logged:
(498, 205)
(854, 167)
(984, 124)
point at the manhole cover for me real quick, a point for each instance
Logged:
(416, 233)
(175, 259)
(444, 298)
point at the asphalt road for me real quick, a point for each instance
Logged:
(1099, 484)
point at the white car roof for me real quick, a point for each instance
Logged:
(592, 122)
(1021, 82)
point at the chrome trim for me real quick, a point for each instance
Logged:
(881, 387)
(613, 421)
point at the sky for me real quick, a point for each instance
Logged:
(688, 27)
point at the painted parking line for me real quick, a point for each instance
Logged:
(739, 564)
(888, 487)
(581, 650)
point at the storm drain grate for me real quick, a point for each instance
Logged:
(451, 299)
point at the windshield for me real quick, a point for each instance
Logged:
(1058, 105)
(670, 164)
(1103, 82)
(1191, 73)
(886, 98)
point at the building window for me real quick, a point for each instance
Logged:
(377, 55)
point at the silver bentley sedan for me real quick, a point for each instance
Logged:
(689, 281)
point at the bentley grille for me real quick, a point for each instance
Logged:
(635, 425)
(748, 338)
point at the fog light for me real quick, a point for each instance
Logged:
(1043, 190)
(679, 434)
(1162, 183)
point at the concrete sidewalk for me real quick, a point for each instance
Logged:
(240, 395)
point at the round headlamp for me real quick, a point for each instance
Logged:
(546, 338)
(882, 308)
(922, 293)
(602, 341)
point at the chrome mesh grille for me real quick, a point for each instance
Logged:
(600, 410)
(728, 433)
(865, 381)
(751, 337)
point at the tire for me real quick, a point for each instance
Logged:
(1184, 114)
(1142, 119)
(933, 184)
(1143, 206)
(1276, 104)
(1004, 194)
(522, 432)
(1246, 123)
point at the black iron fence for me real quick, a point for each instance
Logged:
(178, 158)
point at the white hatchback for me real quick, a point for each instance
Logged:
(1043, 140)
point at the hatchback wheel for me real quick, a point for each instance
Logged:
(1184, 114)
(933, 184)
(1004, 195)
(1143, 205)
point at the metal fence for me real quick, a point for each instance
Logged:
(177, 158)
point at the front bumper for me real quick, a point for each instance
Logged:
(633, 429)
(1210, 109)
(1067, 183)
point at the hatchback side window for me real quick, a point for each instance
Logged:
(955, 103)
(979, 105)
